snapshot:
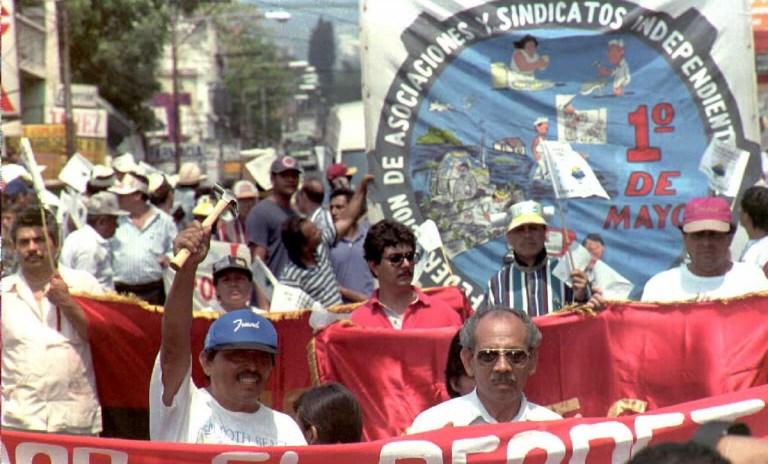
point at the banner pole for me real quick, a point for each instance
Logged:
(565, 234)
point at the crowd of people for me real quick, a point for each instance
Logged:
(317, 241)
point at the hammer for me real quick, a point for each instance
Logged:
(226, 199)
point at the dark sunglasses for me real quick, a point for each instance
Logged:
(513, 356)
(398, 258)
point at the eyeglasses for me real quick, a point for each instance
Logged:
(513, 356)
(397, 258)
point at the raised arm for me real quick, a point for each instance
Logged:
(175, 346)
(355, 208)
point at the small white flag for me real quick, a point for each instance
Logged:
(259, 167)
(570, 173)
(724, 166)
(428, 236)
(76, 172)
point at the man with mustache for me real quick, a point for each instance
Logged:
(500, 351)
(708, 230)
(48, 382)
(390, 252)
(526, 282)
(238, 356)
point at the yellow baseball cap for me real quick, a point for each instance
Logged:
(526, 212)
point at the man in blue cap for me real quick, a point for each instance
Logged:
(238, 356)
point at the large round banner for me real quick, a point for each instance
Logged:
(467, 99)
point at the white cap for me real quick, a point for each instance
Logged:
(156, 180)
(104, 204)
(190, 174)
(131, 183)
(125, 163)
(245, 189)
(102, 176)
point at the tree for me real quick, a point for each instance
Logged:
(256, 77)
(116, 45)
(322, 55)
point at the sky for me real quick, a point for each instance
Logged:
(294, 33)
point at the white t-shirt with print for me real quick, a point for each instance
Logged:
(680, 284)
(196, 417)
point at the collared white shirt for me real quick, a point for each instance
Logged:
(469, 410)
(48, 382)
(756, 252)
(86, 250)
(136, 251)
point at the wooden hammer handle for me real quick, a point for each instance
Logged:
(181, 257)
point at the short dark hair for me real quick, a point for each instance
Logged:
(754, 202)
(386, 233)
(342, 192)
(313, 189)
(678, 453)
(33, 217)
(468, 336)
(526, 38)
(454, 368)
(333, 410)
(293, 238)
(595, 238)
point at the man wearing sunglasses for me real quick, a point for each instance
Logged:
(499, 349)
(526, 281)
(390, 252)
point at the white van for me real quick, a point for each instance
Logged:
(345, 137)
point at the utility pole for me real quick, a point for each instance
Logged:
(175, 89)
(264, 142)
(66, 77)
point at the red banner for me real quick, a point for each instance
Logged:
(125, 338)
(595, 440)
(631, 357)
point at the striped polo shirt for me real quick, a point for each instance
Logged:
(531, 288)
(317, 281)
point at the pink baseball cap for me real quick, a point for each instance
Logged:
(707, 213)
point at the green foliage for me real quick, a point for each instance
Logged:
(436, 136)
(115, 45)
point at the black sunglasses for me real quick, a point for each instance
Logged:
(398, 258)
(513, 356)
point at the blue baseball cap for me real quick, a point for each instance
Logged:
(16, 187)
(241, 329)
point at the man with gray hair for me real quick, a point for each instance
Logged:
(499, 349)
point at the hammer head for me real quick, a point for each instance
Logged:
(223, 194)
